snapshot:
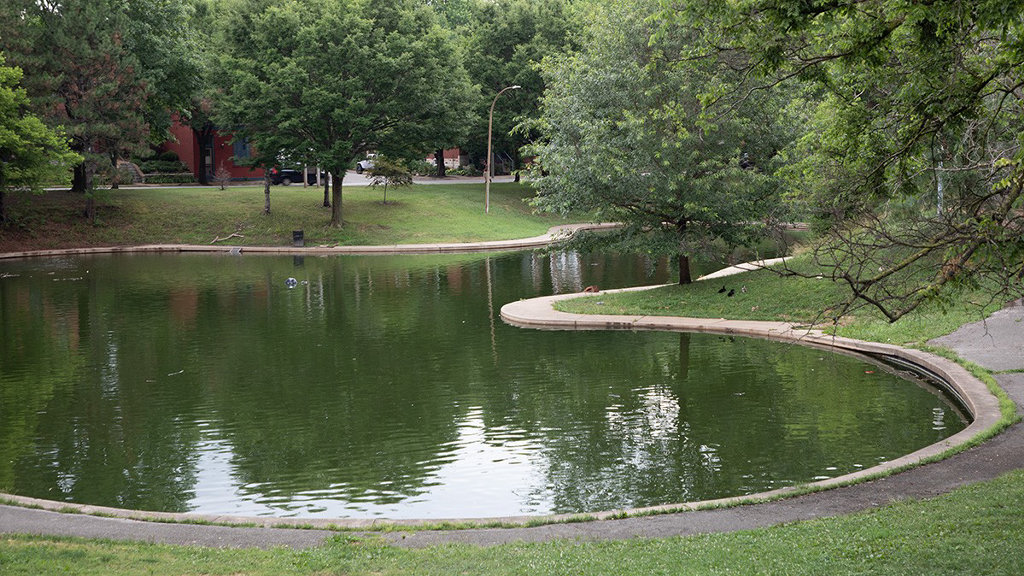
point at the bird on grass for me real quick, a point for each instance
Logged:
(722, 291)
(730, 294)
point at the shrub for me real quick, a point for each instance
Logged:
(222, 176)
(162, 166)
(180, 178)
(466, 171)
(422, 168)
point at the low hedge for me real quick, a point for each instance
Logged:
(162, 166)
(177, 178)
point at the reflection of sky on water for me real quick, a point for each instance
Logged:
(388, 387)
(484, 468)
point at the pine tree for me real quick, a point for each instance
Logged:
(82, 77)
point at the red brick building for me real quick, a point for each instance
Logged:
(207, 150)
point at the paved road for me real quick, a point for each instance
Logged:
(996, 343)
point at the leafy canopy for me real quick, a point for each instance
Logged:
(627, 137)
(505, 43)
(914, 167)
(327, 81)
(31, 154)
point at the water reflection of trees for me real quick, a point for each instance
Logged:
(356, 383)
(91, 412)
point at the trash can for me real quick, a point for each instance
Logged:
(298, 238)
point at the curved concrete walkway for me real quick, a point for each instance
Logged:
(997, 343)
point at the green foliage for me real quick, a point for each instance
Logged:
(83, 76)
(913, 164)
(387, 172)
(178, 178)
(505, 42)
(466, 171)
(328, 81)
(454, 112)
(31, 154)
(627, 136)
(166, 156)
(422, 167)
(454, 13)
(162, 36)
(153, 166)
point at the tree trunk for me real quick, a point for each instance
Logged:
(115, 177)
(90, 196)
(684, 269)
(327, 190)
(336, 219)
(3, 212)
(515, 164)
(439, 158)
(266, 191)
(203, 137)
(78, 180)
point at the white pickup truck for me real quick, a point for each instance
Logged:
(365, 164)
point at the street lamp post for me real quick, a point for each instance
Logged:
(490, 125)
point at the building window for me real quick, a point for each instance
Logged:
(241, 148)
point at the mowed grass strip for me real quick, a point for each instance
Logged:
(974, 530)
(416, 214)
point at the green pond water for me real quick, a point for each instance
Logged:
(389, 387)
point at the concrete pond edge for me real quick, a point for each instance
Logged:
(554, 234)
(538, 313)
(974, 396)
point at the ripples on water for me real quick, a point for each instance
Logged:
(389, 387)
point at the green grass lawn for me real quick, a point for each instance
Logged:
(975, 530)
(766, 295)
(416, 214)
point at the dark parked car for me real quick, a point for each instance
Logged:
(286, 176)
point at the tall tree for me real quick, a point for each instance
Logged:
(916, 169)
(455, 13)
(206, 32)
(456, 111)
(627, 137)
(337, 78)
(506, 40)
(30, 153)
(162, 36)
(83, 76)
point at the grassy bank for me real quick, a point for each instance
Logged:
(421, 213)
(975, 530)
(766, 295)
